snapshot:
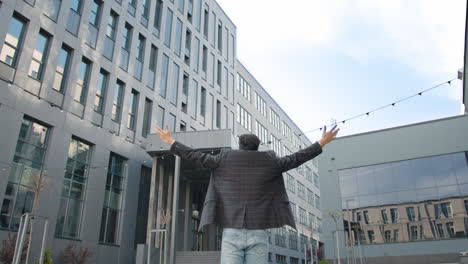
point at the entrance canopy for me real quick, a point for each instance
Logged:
(202, 140)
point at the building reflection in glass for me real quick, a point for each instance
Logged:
(411, 200)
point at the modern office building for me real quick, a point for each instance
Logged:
(398, 195)
(84, 84)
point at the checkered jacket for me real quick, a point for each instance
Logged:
(246, 189)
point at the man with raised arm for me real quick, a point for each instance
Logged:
(246, 194)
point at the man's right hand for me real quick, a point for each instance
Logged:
(165, 135)
(328, 136)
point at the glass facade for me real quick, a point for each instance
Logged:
(25, 171)
(113, 197)
(74, 190)
(411, 200)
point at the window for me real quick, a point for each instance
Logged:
(185, 89)
(450, 229)
(190, 10)
(157, 17)
(384, 215)
(171, 122)
(275, 145)
(281, 259)
(212, 69)
(443, 209)
(52, 8)
(260, 104)
(101, 91)
(180, 5)
(290, 183)
(317, 201)
(113, 197)
(366, 217)
(95, 12)
(294, 212)
(292, 239)
(302, 216)
(39, 57)
(219, 74)
(160, 116)
(310, 197)
(413, 233)
(93, 26)
(394, 215)
(188, 46)
(300, 190)
(388, 236)
(178, 37)
(316, 180)
(303, 242)
(81, 88)
(168, 30)
(145, 12)
(396, 233)
(312, 222)
(28, 160)
(371, 236)
(280, 237)
(358, 217)
(244, 118)
(206, 19)
(220, 36)
(193, 97)
(231, 54)
(74, 17)
(132, 110)
(132, 5)
(196, 51)
(13, 40)
(274, 119)
(117, 101)
(287, 132)
(140, 57)
(218, 114)
(466, 206)
(308, 173)
(244, 88)
(203, 102)
(213, 29)
(62, 70)
(153, 60)
(173, 92)
(410, 213)
(126, 45)
(147, 117)
(261, 132)
(164, 75)
(204, 59)
(74, 190)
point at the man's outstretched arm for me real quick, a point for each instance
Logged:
(198, 158)
(297, 159)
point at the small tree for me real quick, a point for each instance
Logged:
(75, 255)
(47, 257)
(8, 249)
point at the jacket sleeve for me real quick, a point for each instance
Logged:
(297, 159)
(197, 157)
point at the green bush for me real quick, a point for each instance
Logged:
(323, 261)
(47, 256)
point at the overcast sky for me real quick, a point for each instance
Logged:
(323, 60)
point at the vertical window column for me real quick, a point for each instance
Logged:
(62, 70)
(13, 40)
(113, 197)
(101, 91)
(74, 17)
(81, 88)
(117, 101)
(74, 189)
(133, 109)
(147, 117)
(39, 57)
(93, 26)
(153, 60)
(140, 57)
(111, 32)
(126, 45)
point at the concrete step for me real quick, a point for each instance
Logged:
(195, 257)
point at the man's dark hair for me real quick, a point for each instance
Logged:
(248, 142)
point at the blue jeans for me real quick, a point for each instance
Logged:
(244, 246)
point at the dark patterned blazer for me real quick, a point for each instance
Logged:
(246, 189)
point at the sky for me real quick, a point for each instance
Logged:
(323, 60)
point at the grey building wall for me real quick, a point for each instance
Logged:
(293, 145)
(21, 95)
(396, 144)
